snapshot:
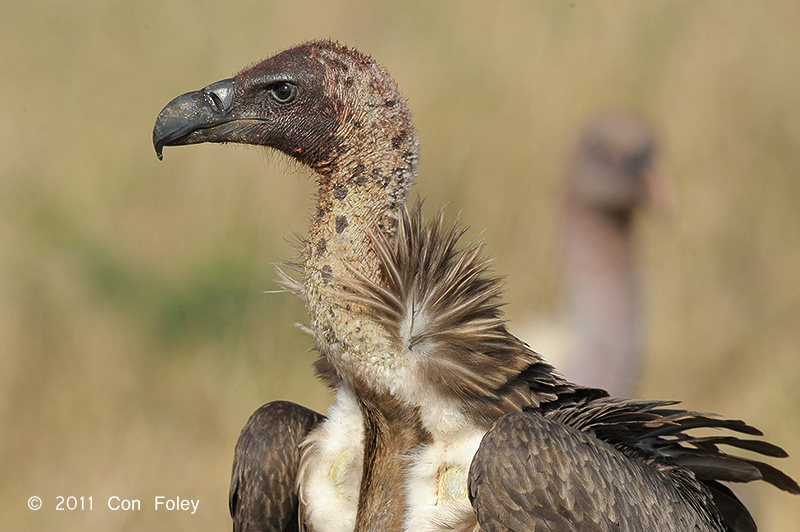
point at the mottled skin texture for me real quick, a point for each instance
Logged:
(409, 330)
(359, 190)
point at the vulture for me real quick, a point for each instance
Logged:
(610, 176)
(442, 420)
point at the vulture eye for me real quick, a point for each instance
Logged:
(283, 91)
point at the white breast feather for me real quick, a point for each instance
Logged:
(331, 465)
(433, 506)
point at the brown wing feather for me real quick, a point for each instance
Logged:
(427, 279)
(571, 466)
(263, 497)
(535, 474)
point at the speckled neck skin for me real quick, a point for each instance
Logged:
(363, 185)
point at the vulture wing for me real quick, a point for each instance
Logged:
(263, 496)
(617, 464)
(535, 474)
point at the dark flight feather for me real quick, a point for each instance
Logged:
(263, 497)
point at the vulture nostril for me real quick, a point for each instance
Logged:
(219, 95)
(215, 102)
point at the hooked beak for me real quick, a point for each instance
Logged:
(195, 117)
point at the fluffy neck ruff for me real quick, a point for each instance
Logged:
(441, 312)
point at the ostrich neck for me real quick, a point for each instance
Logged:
(602, 297)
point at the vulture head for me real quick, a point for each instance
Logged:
(320, 102)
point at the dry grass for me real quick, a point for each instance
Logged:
(134, 336)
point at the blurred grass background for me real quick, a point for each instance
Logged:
(135, 339)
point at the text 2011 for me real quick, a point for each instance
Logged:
(73, 503)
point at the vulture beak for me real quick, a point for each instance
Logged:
(195, 117)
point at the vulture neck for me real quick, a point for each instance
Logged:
(361, 194)
(602, 296)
